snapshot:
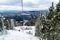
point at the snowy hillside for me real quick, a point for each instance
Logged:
(26, 29)
(16, 35)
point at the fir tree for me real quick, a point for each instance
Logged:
(38, 25)
(51, 12)
(52, 27)
(7, 24)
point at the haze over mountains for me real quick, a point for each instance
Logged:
(18, 12)
(18, 15)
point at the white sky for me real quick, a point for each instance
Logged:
(28, 4)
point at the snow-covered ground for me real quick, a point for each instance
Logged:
(26, 29)
(16, 35)
(19, 35)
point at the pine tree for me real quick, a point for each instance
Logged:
(52, 27)
(51, 12)
(7, 24)
(51, 24)
(46, 24)
(38, 25)
(1, 27)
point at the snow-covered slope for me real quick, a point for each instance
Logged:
(26, 29)
(17, 35)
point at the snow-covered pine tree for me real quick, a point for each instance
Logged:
(7, 24)
(38, 25)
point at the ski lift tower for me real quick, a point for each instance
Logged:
(22, 5)
(59, 1)
(22, 10)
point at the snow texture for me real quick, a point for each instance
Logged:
(17, 35)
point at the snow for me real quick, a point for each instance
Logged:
(26, 29)
(17, 35)
(25, 33)
(25, 14)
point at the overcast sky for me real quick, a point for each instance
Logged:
(28, 4)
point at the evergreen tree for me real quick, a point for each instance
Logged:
(51, 12)
(51, 24)
(1, 27)
(51, 28)
(38, 25)
(7, 24)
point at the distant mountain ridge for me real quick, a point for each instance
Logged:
(18, 15)
(18, 12)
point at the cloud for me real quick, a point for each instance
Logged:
(32, 1)
(39, 4)
(3, 7)
(10, 2)
(28, 4)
